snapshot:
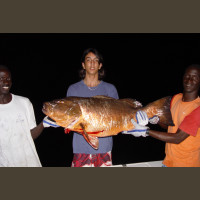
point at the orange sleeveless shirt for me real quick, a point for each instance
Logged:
(187, 153)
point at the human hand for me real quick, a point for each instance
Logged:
(47, 122)
(138, 104)
(142, 118)
(138, 131)
(154, 120)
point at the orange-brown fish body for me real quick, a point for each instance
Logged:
(102, 116)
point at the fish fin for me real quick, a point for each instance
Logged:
(132, 102)
(67, 130)
(102, 97)
(161, 108)
(92, 140)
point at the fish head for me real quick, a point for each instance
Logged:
(65, 112)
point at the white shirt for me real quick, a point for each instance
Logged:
(17, 148)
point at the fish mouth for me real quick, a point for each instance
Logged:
(45, 109)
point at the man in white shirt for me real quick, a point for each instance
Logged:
(17, 127)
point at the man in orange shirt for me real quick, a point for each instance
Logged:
(183, 140)
(191, 122)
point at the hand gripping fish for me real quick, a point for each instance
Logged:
(102, 116)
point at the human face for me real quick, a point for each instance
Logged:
(191, 80)
(5, 81)
(91, 64)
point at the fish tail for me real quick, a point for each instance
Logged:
(160, 108)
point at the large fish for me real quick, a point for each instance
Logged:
(102, 116)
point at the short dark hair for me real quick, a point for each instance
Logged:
(196, 66)
(101, 72)
(4, 67)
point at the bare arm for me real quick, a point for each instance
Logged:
(162, 125)
(175, 138)
(35, 132)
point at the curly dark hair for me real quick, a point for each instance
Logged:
(101, 72)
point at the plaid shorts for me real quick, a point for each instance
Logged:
(92, 160)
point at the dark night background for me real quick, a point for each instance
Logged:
(144, 66)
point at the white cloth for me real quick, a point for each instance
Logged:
(17, 148)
